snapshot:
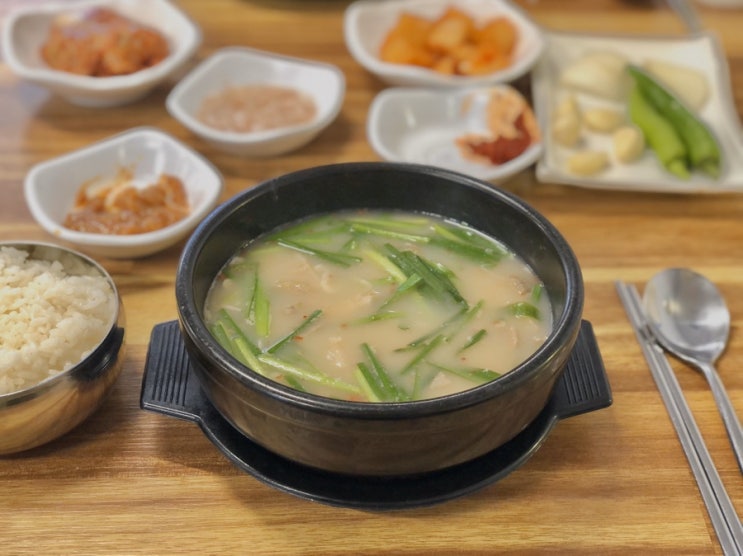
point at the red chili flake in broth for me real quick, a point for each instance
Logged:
(503, 149)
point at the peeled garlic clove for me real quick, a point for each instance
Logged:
(566, 131)
(689, 84)
(603, 120)
(587, 163)
(599, 73)
(568, 106)
(629, 143)
(566, 122)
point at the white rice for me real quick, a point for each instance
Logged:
(52, 314)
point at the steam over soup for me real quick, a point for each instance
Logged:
(378, 306)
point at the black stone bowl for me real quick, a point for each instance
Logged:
(378, 439)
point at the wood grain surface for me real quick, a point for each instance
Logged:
(613, 481)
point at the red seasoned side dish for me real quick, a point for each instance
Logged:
(502, 149)
(102, 43)
(512, 129)
(121, 208)
(452, 44)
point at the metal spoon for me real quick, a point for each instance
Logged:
(688, 316)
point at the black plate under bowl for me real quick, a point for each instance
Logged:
(170, 387)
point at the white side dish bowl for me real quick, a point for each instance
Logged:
(236, 66)
(50, 188)
(422, 125)
(25, 30)
(367, 22)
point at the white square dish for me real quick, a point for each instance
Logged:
(700, 52)
(236, 66)
(50, 188)
(366, 22)
(26, 28)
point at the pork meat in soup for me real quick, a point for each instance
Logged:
(378, 307)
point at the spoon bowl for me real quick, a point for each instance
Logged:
(688, 316)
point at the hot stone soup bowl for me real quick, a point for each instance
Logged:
(378, 439)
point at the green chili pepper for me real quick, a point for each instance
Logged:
(702, 146)
(659, 134)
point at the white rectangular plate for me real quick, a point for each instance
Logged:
(701, 52)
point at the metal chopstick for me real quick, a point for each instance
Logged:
(722, 513)
(688, 15)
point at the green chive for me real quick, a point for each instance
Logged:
(422, 380)
(474, 375)
(392, 221)
(292, 381)
(386, 264)
(484, 375)
(468, 243)
(311, 230)
(235, 268)
(383, 378)
(410, 264)
(489, 255)
(379, 315)
(304, 324)
(384, 232)
(381, 311)
(261, 309)
(341, 259)
(523, 309)
(442, 275)
(250, 308)
(241, 346)
(476, 337)
(388, 389)
(460, 318)
(423, 353)
(372, 390)
(536, 293)
(306, 372)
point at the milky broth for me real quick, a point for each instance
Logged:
(390, 306)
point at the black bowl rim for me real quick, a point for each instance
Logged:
(191, 324)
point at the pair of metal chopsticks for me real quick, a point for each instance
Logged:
(722, 513)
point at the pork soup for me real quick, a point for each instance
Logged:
(378, 306)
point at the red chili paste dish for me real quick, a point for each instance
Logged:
(512, 129)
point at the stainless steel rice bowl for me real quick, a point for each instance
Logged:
(46, 409)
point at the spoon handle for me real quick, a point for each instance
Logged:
(727, 411)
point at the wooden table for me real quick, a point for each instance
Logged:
(612, 481)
